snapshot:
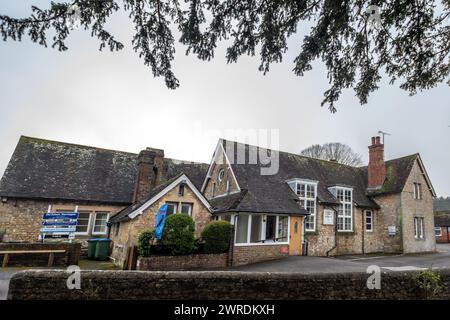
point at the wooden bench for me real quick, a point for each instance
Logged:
(51, 255)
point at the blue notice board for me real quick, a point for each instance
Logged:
(59, 225)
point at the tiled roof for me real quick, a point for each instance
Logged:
(55, 170)
(270, 193)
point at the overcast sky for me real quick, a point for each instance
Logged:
(111, 100)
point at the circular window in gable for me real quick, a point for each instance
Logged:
(221, 174)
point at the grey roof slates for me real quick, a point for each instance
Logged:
(268, 192)
(44, 169)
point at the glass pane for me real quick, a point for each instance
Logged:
(83, 221)
(282, 229)
(172, 208)
(242, 229)
(270, 227)
(186, 208)
(255, 235)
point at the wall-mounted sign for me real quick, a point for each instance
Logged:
(328, 216)
(392, 230)
(59, 225)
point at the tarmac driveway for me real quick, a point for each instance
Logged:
(403, 262)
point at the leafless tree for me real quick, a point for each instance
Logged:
(335, 151)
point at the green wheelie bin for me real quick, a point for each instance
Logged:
(102, 249)
(92, 244)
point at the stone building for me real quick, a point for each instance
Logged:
(306, 206)
(45, 175)
(383, 207)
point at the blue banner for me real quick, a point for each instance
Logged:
(159, 222)
(59, 224)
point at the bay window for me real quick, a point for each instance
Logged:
(261, 229)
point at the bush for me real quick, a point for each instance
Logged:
(145, 243)
(429, 282)
(178, 234)
(2, 234)
(217, 236)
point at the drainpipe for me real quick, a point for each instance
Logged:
(362, 230)
(335, 233)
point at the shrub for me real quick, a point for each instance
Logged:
(2, 234)
(145, 243)
(178, 234)
(430, 282)
(217, 236)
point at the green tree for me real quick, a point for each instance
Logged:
(408, 40)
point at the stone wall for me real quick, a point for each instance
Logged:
(323, 239)
(417, 208)
(70, 257)
(210, 285)
(187, 262)
(128, 233)
(22, 218)
(390, 214)
(251, 254)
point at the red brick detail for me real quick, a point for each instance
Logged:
(376, 168)
(445, 235)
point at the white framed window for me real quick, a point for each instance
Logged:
(259, 229)
(419, 228)
(369, 220)
(100, 223)
(83, 222)
(438, 231)
(221, 174)
(328, 217)
(186, 208)
(345, 210)
(172, 207)
(417, 193)
(307, 193)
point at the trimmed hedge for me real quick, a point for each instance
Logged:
(178, 234)
(217, 236)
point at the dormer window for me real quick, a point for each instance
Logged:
(307, 193)
(221, 175)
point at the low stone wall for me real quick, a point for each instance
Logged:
(251, 254)
(188, 262)
(191, 285)
(70, 257)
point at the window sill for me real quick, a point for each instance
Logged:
(260, 244)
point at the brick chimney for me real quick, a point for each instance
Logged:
(150, 167)
(376, 169)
